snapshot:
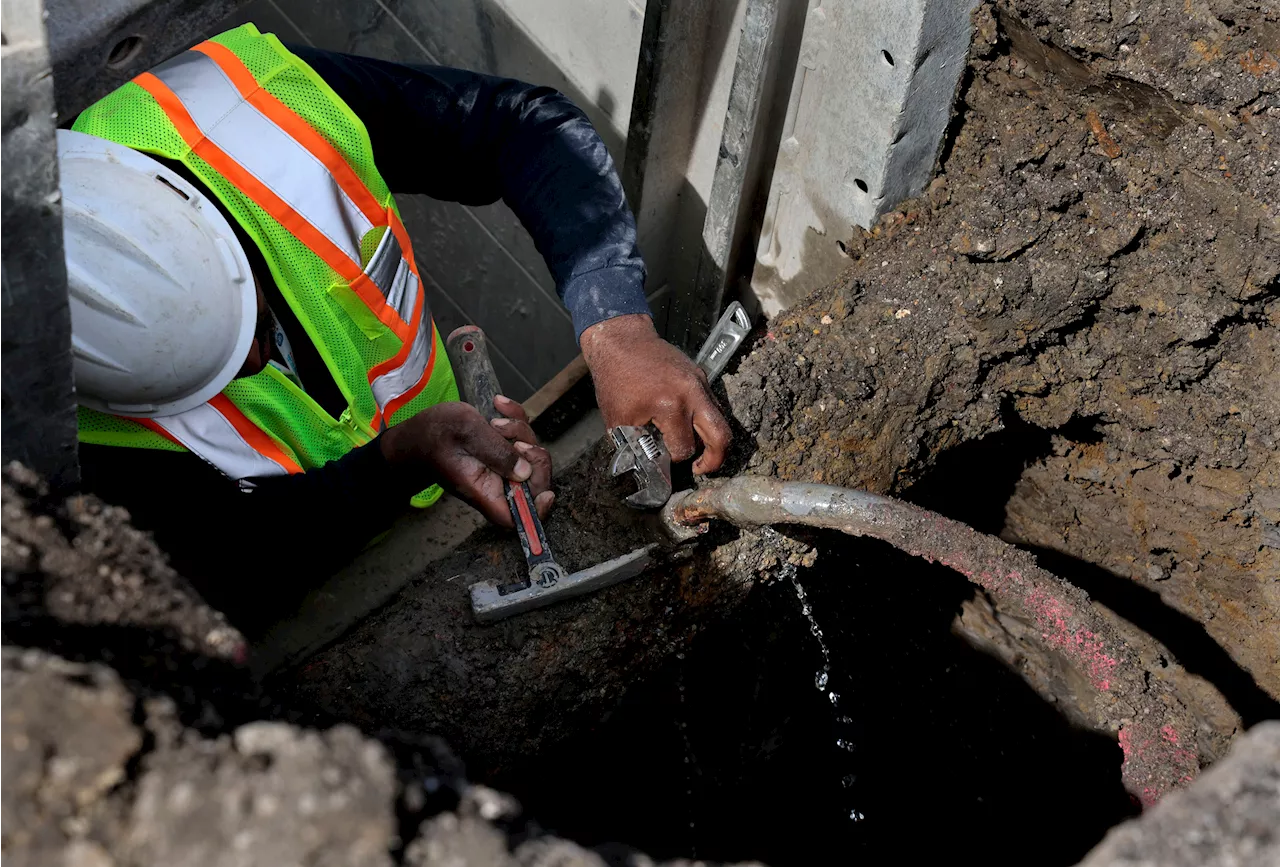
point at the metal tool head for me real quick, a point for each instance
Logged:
(723, 341)
(492, 601)
(643, 453)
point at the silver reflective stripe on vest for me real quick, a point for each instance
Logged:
(394, 383)
(264, 149)
(208, 434)
(384, 262)
(404, 291)
(390, 272)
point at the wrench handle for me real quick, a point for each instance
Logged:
(468, 351)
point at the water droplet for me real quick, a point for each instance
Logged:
(835, 697)
(856, 816)
(820, 679)
(680, 655)
(846, 719)
(848, 780)
(845, 745)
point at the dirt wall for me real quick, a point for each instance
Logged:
(141, 741)
(1098, 258)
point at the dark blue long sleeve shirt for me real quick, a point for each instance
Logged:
(464, 137)
(453, 135)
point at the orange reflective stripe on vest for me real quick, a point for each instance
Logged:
(296, 176)
(218, 432)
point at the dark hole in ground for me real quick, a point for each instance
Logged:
(951, 752)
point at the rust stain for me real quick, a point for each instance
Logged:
(1105, 141)
(1258, 62)
(1208, 52)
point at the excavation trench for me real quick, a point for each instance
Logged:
(764, 694)
(1064, 342)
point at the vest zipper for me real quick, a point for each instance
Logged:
(359, 433)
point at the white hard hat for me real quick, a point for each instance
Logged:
(163, 304)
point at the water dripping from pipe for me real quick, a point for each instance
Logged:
(822, 677)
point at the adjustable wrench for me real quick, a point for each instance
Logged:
(640, 450)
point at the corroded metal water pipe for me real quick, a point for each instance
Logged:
(1155, 730)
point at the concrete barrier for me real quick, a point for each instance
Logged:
(869, 106)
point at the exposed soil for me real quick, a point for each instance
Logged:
(1097, 262)
(1071, 339)
(172, 756)
(502, 692)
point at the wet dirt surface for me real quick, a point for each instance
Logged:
(733, 751)
(1099, 260)
(169, 755)
(502, 691)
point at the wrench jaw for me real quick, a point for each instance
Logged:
(641, 450)
(644, 454)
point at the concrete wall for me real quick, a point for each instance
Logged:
(38, 414)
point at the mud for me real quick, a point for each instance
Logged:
(172, 756)
(1097, 262)
(500, 693)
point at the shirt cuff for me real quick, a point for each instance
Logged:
(603, 294)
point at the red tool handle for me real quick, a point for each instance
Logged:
(468, 351)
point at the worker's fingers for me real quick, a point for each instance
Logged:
(482, 460)
(510, 408)
(543, 503)
(515, 430)
(540, 461)
(676, 424)
(486, 498)
(715, 433)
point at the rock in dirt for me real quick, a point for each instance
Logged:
(1230, 817)
(81, 563)
(68, 737)
(268, 794)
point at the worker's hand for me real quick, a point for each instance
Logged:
(640, 378)
(453, 446)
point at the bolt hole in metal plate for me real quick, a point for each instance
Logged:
(124, 52)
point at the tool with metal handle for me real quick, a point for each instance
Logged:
(640, 450)
(546, 582)
(468, 351)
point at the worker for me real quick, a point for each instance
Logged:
(260, 379)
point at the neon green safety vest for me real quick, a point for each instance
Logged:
(294, 166)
